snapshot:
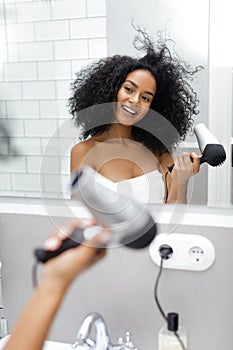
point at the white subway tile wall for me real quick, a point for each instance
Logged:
(10, 13)
(71, 49)
(90, 27)
(96, 8)
(57, 146)
(12, 52)
(66, 10)
(77, 65)
(97, 47)
(27, 145)
(40, 128)
(63, 89)
(43, 44)
(39, 89)
(32, 11)
(36, 51)
(54, 109)
(20, 71)
(20, 32)
(2, 109)
(1, 73)
(14, 165)
(52, 30)
(5, 182)
(23, 109)
(10, 91)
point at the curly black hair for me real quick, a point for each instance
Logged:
(175, 100)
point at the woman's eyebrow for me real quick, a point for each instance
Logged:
(135, 85)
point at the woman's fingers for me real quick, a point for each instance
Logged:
(93, 250)
(196, 162)
(65, 267)
(186, 165)
(188, 161)
(183, 161)
(54, 241)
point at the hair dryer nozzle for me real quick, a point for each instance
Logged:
(212, 151)
(214, 155)
(141, 241)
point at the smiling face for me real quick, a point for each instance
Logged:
(135, 96)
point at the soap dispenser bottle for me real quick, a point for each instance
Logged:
(167, 339)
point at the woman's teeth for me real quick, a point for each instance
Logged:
(129, 110)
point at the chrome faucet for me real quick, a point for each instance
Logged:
(102, 341)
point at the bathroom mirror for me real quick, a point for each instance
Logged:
(43, 44)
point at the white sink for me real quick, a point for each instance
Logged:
(3, 341)
(48, 345)
(53, 345)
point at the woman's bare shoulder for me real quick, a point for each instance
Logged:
(79, 153)
(83, 147)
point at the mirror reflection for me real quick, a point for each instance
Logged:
(45, 45)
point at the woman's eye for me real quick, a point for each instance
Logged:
(127, 88)
(145, 98)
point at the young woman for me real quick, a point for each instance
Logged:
(134, 112)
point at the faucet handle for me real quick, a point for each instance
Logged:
(120, 341)
(83, 344)
(127, 343)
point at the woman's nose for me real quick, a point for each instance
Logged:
(134, 98)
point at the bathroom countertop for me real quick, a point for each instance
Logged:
(187, 214)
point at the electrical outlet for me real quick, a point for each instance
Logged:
(197, 255)
(190, 252)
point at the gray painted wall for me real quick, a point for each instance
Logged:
(121, 288)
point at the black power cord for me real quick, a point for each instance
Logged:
(166, 187)
(172, 318)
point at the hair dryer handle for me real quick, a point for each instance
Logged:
(170, 167)
(75, 240)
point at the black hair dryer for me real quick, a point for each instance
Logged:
(213, 153)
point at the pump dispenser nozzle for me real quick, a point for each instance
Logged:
(171, 336)
(172, 321)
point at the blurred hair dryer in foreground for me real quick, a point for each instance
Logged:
(212, 151)
(130, 222)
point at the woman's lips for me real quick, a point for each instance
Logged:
(129, 112)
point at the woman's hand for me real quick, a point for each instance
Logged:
(185, 168)
(35, 320)
(61, 270)
(177, 181)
